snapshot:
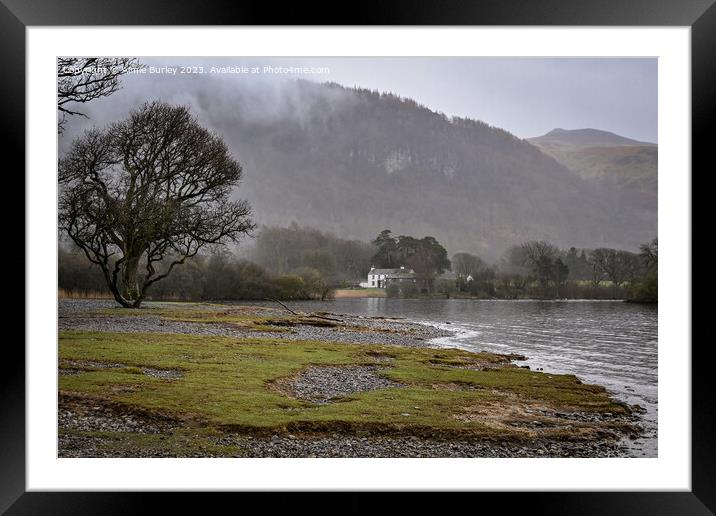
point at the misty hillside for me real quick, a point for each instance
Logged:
(628, 169)
(354, 162)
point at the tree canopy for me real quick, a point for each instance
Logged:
(426, 256)
(617, 265)
(154, 186)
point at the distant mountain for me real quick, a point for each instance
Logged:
(585, 137)
(354, 162)
(627, 168)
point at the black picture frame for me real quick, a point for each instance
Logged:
(17, 15)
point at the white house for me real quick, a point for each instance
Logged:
(380, 278)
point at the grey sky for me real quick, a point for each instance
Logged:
(526, 96)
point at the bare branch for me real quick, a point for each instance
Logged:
(81, 80)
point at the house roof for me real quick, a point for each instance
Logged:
(400, 275)
(387, 271)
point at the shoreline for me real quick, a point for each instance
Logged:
(369, 295)
(112, 429)
(624, 396)
(347, 294)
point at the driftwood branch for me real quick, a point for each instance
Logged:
(317, 316)
(280, 303)
(312, 315)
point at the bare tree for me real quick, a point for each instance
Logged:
(649, 253)
(540, 255)
(80, 80)
(597, 273)
(466, 264)
(617, 265)
(151, 188)
(560, 273)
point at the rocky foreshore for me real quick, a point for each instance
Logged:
(97, 315)
(93, 426)
(350, 446)
(90, 429)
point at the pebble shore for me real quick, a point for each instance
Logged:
(342, 446)
(80, 420)
(81, 315)
(79, 423)
(325, 384)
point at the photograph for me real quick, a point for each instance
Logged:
(357, 257)
(411, 248)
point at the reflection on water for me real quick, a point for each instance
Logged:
(609, 343)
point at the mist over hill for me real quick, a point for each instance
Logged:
(354, 162)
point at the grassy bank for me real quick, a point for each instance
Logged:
(187, 379)
(226, 384)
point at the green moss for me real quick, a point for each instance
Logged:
(229, 383)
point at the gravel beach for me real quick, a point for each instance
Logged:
(342, 446)
(80, 421)
(89, 427)
(95, 315)
(325, 384)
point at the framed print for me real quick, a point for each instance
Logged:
(415, 254)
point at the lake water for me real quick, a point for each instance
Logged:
(610, 343)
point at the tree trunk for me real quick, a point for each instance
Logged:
(130, 283)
